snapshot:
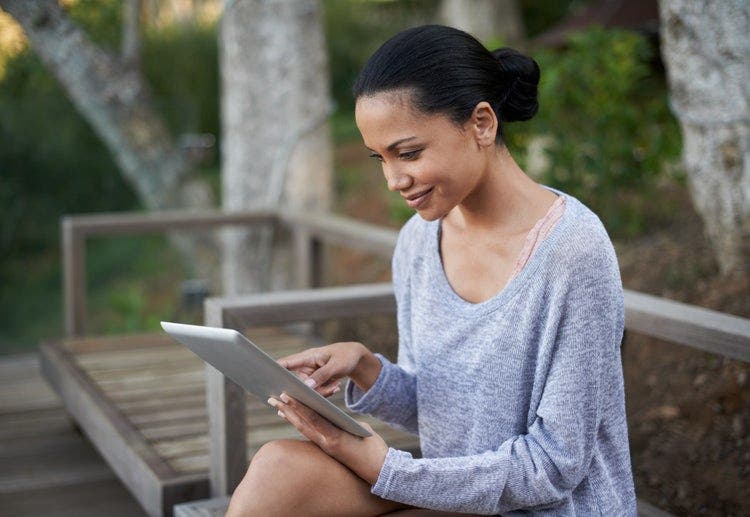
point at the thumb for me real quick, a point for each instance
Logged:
(366, 425)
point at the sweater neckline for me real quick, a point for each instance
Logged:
(464, 307)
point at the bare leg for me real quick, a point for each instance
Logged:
(295, 477)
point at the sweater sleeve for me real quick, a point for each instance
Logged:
(540, 468)
(393, 397)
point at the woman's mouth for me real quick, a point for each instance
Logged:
(419, 200)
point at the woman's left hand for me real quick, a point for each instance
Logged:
(364, 456)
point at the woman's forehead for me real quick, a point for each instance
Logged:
(391, 115)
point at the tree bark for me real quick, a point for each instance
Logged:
(131, 33)
(706, 49)
(115, 100)
(486, 19)
(276, 148)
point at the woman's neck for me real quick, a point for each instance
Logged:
(505, 201)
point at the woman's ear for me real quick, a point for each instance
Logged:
(484, 124)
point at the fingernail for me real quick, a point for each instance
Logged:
(281, 414)
(284, 397)
(310, 382)
(271, 401)
(336, 389)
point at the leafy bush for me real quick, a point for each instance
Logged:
(610, 136)
(354, 30)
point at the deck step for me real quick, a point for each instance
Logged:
(215, 507)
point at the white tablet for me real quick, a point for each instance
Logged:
(242, 361)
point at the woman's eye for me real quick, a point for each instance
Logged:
(410, 155)
(376, 156)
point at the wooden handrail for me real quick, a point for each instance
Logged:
(162, 221)
(689, 325)
(343, 231)
(684, 324)
(76, 229)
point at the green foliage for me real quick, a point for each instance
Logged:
(610, 133)
(182, 68)
(52, 163)
(355, 29)
(100, 19)
(539, 15)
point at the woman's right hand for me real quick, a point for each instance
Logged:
(323, 367)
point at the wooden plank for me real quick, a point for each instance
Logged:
(225, 403)
(136, 394)
(34, 423)
(306, 305)
(151, 405)
(165, 220)
(97, 344)
(73, 278)
(23, 445)
(344, 231)
(689, 325)
(215, 507)
(78, 463)
(27, 394)
(123, 447)
(187, 487)
(91, 499)
(18, 366)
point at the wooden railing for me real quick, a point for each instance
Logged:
(665, 319)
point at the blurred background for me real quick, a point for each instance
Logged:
(608, 132)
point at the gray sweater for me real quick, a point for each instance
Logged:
(518, 401)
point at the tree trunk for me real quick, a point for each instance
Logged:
(486, 19)
(114, 99)
(706, 49)
(276, 146)
(131, 33)
(112, 96)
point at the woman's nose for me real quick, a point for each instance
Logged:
(397, 180)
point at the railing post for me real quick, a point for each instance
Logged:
(227, 429)
(74, 278)
(308, 258)
(316, 262)
(302, 257)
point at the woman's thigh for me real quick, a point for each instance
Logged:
(295, 477)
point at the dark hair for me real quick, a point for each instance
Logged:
(449, 71)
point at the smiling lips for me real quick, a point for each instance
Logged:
(416, 200)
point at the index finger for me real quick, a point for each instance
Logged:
(304, 358)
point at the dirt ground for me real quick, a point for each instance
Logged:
(688, 411)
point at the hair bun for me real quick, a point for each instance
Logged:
(519, 76)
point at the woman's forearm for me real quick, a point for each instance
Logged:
(367, 370)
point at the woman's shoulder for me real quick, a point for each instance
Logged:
(584, 241)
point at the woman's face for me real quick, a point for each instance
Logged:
(433, 163)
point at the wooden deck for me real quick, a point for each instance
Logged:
(46, 466)
(142, 403)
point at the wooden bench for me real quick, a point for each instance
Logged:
(145, 448)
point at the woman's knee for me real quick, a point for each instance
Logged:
(273, 478)
(276, 457)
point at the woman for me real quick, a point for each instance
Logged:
(510, 316)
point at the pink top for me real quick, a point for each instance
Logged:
(537, 234)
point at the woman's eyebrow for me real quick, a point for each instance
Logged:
(397, 142)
